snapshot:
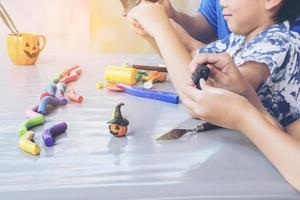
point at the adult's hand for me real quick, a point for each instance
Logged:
(217, 105)
(168, 7)
(224, 72)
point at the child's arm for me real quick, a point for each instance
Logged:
(195, 25)
(228, 109)
(189, 42)
(156, 23)
(256, 74)
(187, 27)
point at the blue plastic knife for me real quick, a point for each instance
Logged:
(169, 97)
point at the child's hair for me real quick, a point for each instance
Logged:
(289, 10)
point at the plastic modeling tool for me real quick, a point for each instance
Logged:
(150, 94)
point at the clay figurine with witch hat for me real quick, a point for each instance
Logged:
(129, 4)
(118, 125)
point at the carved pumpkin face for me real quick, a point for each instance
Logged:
(32, 48)
(117, 130)
(25, 48)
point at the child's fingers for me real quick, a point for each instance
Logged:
(217, 75)
(130, 17)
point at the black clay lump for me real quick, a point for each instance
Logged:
(202, 71)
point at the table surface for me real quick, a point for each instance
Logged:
(88, 162)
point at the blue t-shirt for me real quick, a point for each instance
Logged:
(212, 11)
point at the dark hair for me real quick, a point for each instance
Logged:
(289, 10)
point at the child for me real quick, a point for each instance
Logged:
(261, 45)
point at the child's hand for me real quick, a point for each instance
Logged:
(168, 7)
(216, 105)
(224, 72)
(148, 17)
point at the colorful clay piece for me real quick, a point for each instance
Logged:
(99, 85)
(29, 135)
(59, 94)
(113, 87)
(27, 144)
(32, 112)
(29, 147)
(202, 71)
(44, 94)
(42, 109)
(57, 77)
(118, 125)
(51, 88)
(51, 133)
(72, 75)
(30, 123)
(61, 86)
(69, 78)
(148, 84)
(120, 75)
(72, 96)
(76, 71)
(68, 71)
(155, 76)
(52, 96)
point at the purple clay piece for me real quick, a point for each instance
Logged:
(42, 109)
(51, 133)
(59, 94)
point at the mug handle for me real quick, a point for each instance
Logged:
(44, 41)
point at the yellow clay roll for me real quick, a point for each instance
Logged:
(120, 75)
(29, 147)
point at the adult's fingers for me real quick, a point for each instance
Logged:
(190, 105)
(220, 60)
(194, 94)
(217, 75)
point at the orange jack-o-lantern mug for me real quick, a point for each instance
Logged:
(24, 49)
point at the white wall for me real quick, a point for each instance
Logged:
(65, 23)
